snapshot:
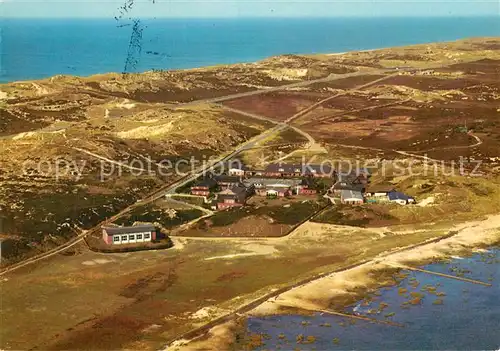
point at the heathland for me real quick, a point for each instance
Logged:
(74, 151)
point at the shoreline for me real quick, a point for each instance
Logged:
(237, 63)
(347, 285)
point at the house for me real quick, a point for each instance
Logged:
(351, 197)
(232, 197)
(237, 172)
(298, 170)
(339, 186)
(129, 235)
(274, 192)
(227, 181)
(307, 187)
(379, 190)
(236, 168)
(256, 173)
(400, 198)
(261, 185)
(204, 187)
(276, 170)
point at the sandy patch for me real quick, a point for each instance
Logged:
(317, 294)
(97, 261)
(146, 131)
(179, 243)
(151, 328)
(226, 257)
(426, 202)
(219, 338)
(28, 135)
(126, 104)
(286, 73)
(207, 313)
(257, 250)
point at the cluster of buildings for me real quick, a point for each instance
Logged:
(275, 181)
(281, 180)
(354, 189)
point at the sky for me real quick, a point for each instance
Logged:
(247, 8)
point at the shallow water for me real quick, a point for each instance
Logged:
(467, 319)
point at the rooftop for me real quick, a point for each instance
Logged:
(396, 195)
(380, 188)
(351, 194)
(130, 230)
(233, 190)
(348, 186)
(227, 179)
(206, 182)
(305, 168)
(271, 182)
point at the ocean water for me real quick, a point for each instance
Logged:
(34, 49)
(467, 319)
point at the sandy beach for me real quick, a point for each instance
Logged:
(338, 288)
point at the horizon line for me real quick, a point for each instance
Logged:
(260, 17)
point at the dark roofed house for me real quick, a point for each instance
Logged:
(353, 177)
(232, 197)
(400, 198)
(339, 186)
(129, 235)
(204, 187)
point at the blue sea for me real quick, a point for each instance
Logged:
(450, 314)
(39, 48)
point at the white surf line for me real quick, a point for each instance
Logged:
(108, 160)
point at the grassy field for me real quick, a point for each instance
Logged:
(142, 299)
(440, 199)
(165, 218)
